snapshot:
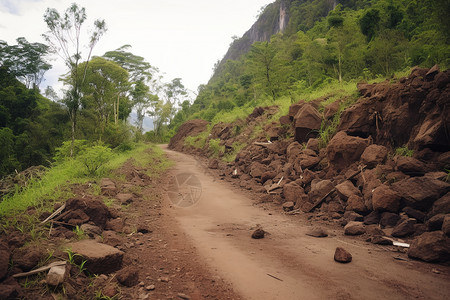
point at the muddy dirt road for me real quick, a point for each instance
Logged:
(287, 264)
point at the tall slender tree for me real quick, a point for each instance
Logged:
(64, 38)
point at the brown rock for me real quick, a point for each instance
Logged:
(116, 225)
(341, 255)
(389, 219)
(431, 247)
(319, 189)
(307, 121)
(414, 213)
(331, 109)
(96, 210)
(356, 203)
(294, 108)
(346, 189)
(385, 199)
(442, 205)
(313, 144)
(372, 218)
(125, 198)
(189, 128)
(100, 258)
(91, 230)
(128, 276)
(111, 238)
(435, 222)
(411, 166)
(343, 150)
(5, 255)
(258, 234)
(213, 164)
(404, 228)
(354, 228)
(257, 169)
(421, 192)
(288, 206)
(446, 225)
(317, 232)
(353, 216)
(293, 150)
(10, 289)
(381, 240)
(27, 259)
(374, 155)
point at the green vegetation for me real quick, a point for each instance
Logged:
(404, 151)
(323, 52)
(54, 185)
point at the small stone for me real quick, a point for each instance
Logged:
(164, 279)
(354, 228)
(150, 287)
(341, 255)
(56, 275)
(128, 276)
(317, 232)
(258, 234)
(183, 296)
(381, 240)
(288, 206)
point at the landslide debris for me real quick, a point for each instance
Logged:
(384, 173)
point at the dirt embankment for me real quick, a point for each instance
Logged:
(385, 168)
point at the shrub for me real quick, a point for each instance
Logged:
(94, 159)
(63, 152)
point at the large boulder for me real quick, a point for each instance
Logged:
(307, 123)
(420, 192)
(343, 150)
(385, 199)
(431, 247)
(411, 166)
(374, 155)
(442, 205)
(404, 228)
(346, 189)
(354, 228)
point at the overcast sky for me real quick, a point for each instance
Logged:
(183, 38)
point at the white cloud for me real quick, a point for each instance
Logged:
(183, 38)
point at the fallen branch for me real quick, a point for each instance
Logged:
(361, 168)
(42, 269)
(274, 277)
(321, 200)
(59, 210)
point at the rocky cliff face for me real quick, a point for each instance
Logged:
(273, 20)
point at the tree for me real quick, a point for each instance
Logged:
(64, 38)
(136, 65)
(142, 101)
(388, 52)
(369, 23)
(263, 63)
(25, 61)
(105, 82)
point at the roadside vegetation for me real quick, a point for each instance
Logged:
(55, 185)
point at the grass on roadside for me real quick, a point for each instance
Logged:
(55, 183)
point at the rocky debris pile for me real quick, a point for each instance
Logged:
(189, 128)
(101, 251)
(357, 180)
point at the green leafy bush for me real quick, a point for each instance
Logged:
(63, 152)
(94, 159)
